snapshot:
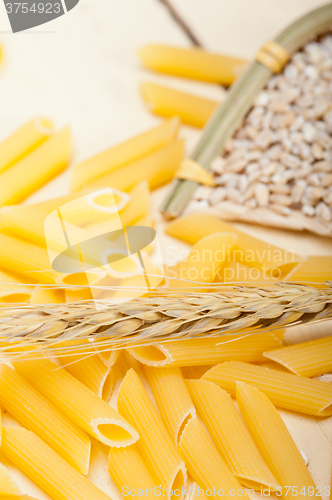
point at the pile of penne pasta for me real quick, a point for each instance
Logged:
(172, 428)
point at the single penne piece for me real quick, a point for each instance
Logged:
(109, 358)
(32, 172)
(30, 261)
(124, 153)
(7, 484)
(12, 290)
(158, 168)
(42, 295)
(79, 403)
(92, 372)
(35, 413)
(194, 372)
(285, 390)
(274, 442)
(248, 250)
(191, 109)
(206, 258)
(46, 468)
(208, 350)
(230, 436)
(48, 206)
(172, 397)
(25, 140)
(204, 463)
(155, 445)
(192, 63)
(315, 270)
(129, 472)
(307, 359)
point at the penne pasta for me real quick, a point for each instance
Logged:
(129, 472)
(191, 109)
(249, 250)
(109, 358)
(12, 290)
(121, 366)
(172, 398)
(30, 261)
(32, 172)
(79, 403)
(274, 442)
(156, 446)
(230, 436)
(157, 168)
(125, 153)
(7, 484)
(204, 463)
(307, 359)
(206, 258)
(42, 295)
(29, 408)
(46, 468)
(284, 390)
(92, 372)
(192, 63)
(25, 140)
(48, 206)
(314, 270)
(194, 372)
(208, 350)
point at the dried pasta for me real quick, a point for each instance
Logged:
(283, 389)
(7, 484)
(11, 290)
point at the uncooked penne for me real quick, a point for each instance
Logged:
(32, 172)
(274, 442)
(315, 270)
(172, 397)
(206, 258)
(30, 261)
(92, 372)
(121, 366)
(46, 468)
(165, 101)
(285, 390)
(7, 484)
(35, 413)
(25, 140)
(230, 436)
(192, 63)
(248, 250)
(124, 153)
(110, 357)
(156, 446)
(307, 359)
(79, 403)
(209, 350)
(204, 463)
(129, 472)
(12, 290)
(42, 295)
(158, 168)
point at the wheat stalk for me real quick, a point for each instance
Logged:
(164, 315)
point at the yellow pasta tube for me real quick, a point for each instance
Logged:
(109, 358)
(33, 412)
(12, 291)
(26, 259)
(208, 350)
(172, 398)
(204, 463)
(307, 359)
(42, 295)
(79, 403)
(25, 222)
(128, 471)
(192, 63)
(92, 372)
(191, 109)
(32, 172)
(158, 168)
(230, 436)
(274, 442)
(206, 258)
(25, 140)
(7, 483)
(121, 366)
(156, 446)
(48, 206)
(314, 270)
(46, 468)
(127, 152)
(248, 250)
(283, 389)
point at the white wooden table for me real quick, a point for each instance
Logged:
(82, 69)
